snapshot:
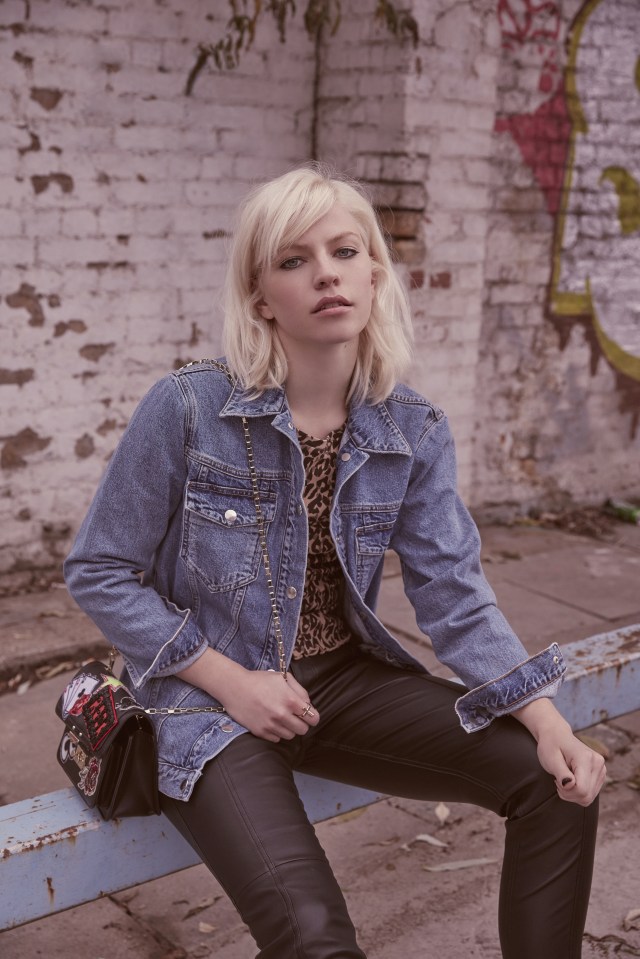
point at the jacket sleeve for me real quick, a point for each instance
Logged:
(127, 520)
(439, 547)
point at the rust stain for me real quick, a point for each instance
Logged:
(47, 98)
(42, 183)
(53, 300)
(70, 833)
(74, 326)
(26, 298)
(15, 377)
(95, 351)
(19, 445)
(51, 890)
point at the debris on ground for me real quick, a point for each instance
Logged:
(592, 521)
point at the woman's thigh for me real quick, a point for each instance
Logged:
(247, 823)
(397, 732)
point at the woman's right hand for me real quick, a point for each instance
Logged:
(262, 701)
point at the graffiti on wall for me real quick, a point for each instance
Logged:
(582, 143)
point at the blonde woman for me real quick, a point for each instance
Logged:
(310, 449)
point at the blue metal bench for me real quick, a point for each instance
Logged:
(43, 840)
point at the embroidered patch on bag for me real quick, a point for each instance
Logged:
(89, 776)
(99, 713)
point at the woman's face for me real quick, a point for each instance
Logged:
(319, 291)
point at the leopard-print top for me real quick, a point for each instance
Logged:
(322, 626)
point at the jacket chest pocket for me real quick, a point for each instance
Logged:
(371, 540)
(220, 540)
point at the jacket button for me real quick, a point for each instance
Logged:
(345, 457)
(292, 592)
(230, 516)
(227, 728)
(556, 659)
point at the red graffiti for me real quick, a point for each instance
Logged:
(543, 135)
(543, 140)
(525, 21)
(536, 24)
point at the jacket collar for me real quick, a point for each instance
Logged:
(371, 428)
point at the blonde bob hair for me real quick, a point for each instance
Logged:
(272, 218)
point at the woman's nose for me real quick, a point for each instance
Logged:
(326, 275)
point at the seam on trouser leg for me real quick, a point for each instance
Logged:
(271, 868)
(428, 767)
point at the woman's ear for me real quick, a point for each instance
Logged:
(264, 310)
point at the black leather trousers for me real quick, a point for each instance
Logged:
(394, 732)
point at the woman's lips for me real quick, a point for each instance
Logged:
(331, 303)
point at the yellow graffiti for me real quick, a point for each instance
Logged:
(579, 303)
(628, 190)
(565, 303)
(619, 358)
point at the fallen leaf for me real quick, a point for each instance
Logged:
(52, 614)
(442, 813)
(631, 920)
(48, 672)
(347, 816)
(633, 782)
(460, 864)
(425, 837)
(199, 907)
(23, 687)
(206, 927)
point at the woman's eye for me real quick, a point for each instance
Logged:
(346, 252)
(291, 263)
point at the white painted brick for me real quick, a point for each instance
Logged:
(11, 223)
(11, 11)
(16, 250)
(80, 223)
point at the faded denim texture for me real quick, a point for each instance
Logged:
(161, 569)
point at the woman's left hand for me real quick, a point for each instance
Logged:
(579, 771)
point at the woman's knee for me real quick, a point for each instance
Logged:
(297, 911)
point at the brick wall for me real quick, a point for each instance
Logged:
(117, 192)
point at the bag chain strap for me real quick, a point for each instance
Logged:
(282, 659)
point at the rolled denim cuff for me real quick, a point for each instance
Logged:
(539, 676)
(185, 646)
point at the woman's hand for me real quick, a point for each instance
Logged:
(264, 702)
(579, 772)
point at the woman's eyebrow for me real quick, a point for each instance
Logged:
(334, 239)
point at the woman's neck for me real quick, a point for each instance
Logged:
(317, 394)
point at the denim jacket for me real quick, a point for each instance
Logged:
(168, 559)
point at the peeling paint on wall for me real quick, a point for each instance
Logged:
(26, 298)
(84, 446)
(95, 351)
(41, 183)
(15, 377)
(24, 443)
